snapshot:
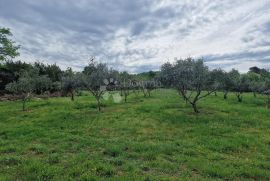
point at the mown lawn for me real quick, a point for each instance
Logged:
(156, 138)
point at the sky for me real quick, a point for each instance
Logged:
(140, 35)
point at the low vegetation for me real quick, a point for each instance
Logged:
(153, 138)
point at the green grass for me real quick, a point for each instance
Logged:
(156, 138)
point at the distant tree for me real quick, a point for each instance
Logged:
(216, 80)
(148, 87)
(42, 84)
(189, 77)
(6, 77)
(24, 86)
(68, 72)
(255, 70)
(221, 80)
(8, 49)
(266, 91)
(125, 84)
(268, 94)
(94, 76)
(71, 82)
(265, 74)
(52, 71)
(112, 82)
(136, 86)
(256, 82)
(146, 75)
(240, 84)
(56, 87)
(167, 75)
(227, 84)
(17, 67)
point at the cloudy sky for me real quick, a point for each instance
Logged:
(140, 35)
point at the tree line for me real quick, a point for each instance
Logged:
(27, 80)
(194, 81)
(191, 78)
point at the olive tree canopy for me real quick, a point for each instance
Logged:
(93, 79)
(28, 83)
(189, 77)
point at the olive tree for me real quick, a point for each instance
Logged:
(256, 82)
(125, 84)
(24, 87)
(93, 79)
(189, 77)
(268, 95)
(240, 84)
(70, 82)
(226, 84)
(222, 81)
(135, 86)
(27, 84)
(266, 91)
(216, 78)
(148, 87)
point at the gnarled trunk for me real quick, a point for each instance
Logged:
(268, 106)
(149, 92)
(144, 92)
(23, 107)
(121, 92)
(72, 95)
(126, 93)
(239, 96)
(194, 106)
(24, 99)
(98, 103)
(225, 96)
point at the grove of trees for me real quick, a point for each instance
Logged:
(191, 78)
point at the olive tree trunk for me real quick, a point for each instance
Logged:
(195, 109)
(72, 95)
(225, 96)
(254, 94)
(239, 96)
(24, 100)
(268, 105)
(99, 106)
(23, 104)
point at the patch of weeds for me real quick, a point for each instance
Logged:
(149, 157)
(117, 162)
(36, 170)
(53, 159)
(104, 171)
(113, 151)
(10, 161)
(145, 169)
(95, 106)
(3, 135)
(8, 150)
(38, 149)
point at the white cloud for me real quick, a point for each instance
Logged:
(141, 35)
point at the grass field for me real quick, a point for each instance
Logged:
(156, 138)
